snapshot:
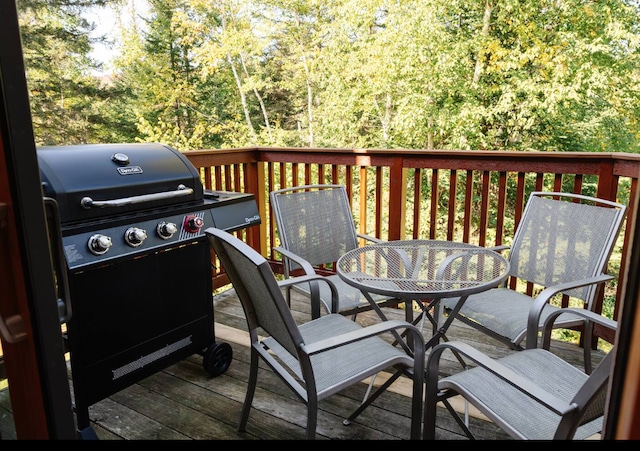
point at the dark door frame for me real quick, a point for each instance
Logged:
(33, 347)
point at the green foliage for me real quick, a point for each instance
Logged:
(536, 75)
(69, 104)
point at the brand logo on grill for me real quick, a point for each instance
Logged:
(130, 170)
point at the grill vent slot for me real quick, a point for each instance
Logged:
(150, 358)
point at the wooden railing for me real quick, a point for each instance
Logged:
(471, 196)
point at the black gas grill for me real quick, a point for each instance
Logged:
(136, 266)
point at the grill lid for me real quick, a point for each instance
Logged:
(95, 181)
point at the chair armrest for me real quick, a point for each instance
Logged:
(304, 264)
(533, 320)
(312, 279)
(586, 314)
(306, 278)
(314, 291)
(522, 384)
(500, 248)
(447, 262)
(370, 238)
(366, 332)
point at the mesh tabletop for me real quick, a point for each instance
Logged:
(423, 268)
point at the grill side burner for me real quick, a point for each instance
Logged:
(137, 265)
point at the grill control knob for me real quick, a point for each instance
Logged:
(135, 236)
(193, 223)
(99, 244)
(166, 229)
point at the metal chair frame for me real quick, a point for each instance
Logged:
(315, 227)
(322, 356)
(562, 245)
(530, 394)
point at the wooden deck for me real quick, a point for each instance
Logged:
(183, 402)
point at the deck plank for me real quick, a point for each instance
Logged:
(184, 402)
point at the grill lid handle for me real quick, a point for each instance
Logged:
(182, 190)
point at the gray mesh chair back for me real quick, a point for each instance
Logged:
(315, 227)
(315, 222)
(532, 394)
(561, 241)
(562, 246)
(321, 356)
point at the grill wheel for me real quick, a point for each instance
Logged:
(217, 358)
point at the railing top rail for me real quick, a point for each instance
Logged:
(474, 196)
(435, 152)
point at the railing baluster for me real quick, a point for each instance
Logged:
(464, 176)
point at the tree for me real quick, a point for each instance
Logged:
(68, 103)
(548, 75)
(443, 74)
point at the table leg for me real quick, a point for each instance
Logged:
(426, 305)
(382, 316)
(441, 330)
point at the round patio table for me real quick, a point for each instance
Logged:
(423, 271)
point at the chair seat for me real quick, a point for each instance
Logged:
(505, 312)
(520, 415)
(349, 297)
(339, 367)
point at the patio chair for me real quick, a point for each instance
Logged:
(315, 226)
(532, 394)
(561, 247)
(322, 356)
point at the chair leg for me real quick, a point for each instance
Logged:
(430, 404)
(587, 334)
(288, 296)
(369, 399)
(312, 417)
(368, 392)
(464, 424)
(251, 388)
